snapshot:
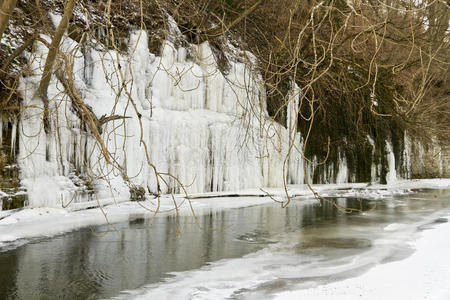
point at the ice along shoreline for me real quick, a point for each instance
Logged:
(29, 223)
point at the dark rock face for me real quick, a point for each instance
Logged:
(13, 195)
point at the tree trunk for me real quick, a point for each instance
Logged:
(220, 30)
(51, 57)
(5, 13)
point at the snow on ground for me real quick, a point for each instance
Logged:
(35, 222)
(423, 275)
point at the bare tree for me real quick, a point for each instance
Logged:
(367, 67)
(51, 57)
(6, 11)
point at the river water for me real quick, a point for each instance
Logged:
(243, 253)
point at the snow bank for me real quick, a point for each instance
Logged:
(423, 275)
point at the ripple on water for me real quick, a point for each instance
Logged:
(341, 243)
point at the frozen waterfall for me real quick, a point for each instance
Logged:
(180, 114)
(208, 131)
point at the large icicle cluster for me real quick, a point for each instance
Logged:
(210, 131)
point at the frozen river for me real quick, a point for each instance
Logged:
(253, 252)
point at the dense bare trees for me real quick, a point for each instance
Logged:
(364, 68)
(6, 11)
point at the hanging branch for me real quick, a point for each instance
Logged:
(50, 61)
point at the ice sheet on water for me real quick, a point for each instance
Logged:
(282, 267)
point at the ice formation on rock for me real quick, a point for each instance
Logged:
(208, 130)
(391, 176)
(342, 175)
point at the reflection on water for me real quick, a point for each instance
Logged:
(81, 265)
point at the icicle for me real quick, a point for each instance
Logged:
(391, 176)
(407, 156)
(342, 175)
(13, 137)
(310, 169)
(373, 168)
(292, 109)
(421, 156)
(441, 163)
